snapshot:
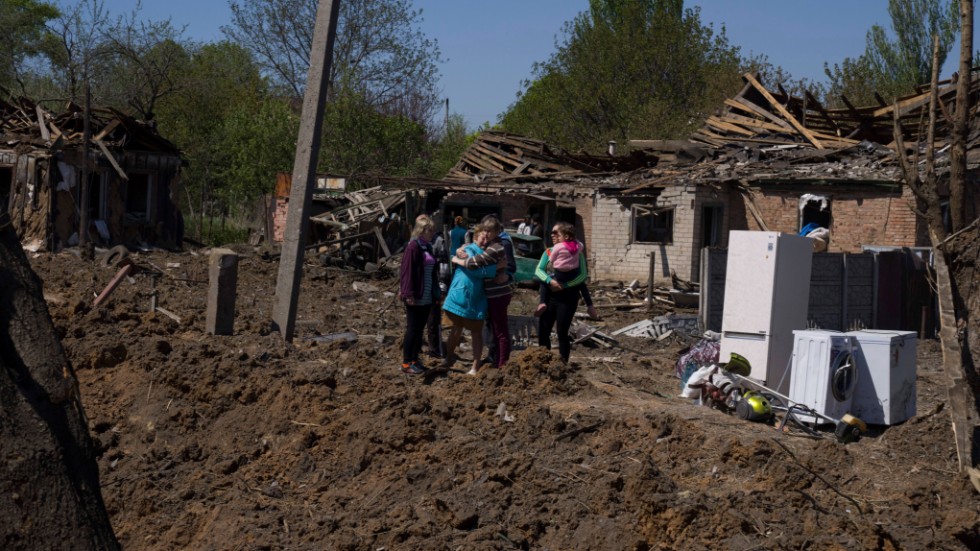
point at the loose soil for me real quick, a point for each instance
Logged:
(248, 442)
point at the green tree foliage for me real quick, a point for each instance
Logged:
(220, 81)
(129, 63)
(893, 64)
(627, 68)
(145, 63)
(22, 33)
(256, 142)
(359, 142)
(382, 99)
(231, 106)
(72, 52)
(447, 150)
(379, 51)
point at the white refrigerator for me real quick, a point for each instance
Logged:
(767, 290)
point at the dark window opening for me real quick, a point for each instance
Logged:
(96, 207)
(472, 214)
(816, 211)
(6, 185)
(652, 224)
(138, 197)
(711, 218)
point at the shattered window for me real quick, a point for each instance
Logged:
(652, 224)
(815, 209)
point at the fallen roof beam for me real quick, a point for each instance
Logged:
(820, 109)
(112, 159)
(45, 134)
(782, 111)
(749, 106)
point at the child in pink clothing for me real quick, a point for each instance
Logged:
(563, 266)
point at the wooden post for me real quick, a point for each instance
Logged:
(222, 291)
(304, 169)
(653, 271)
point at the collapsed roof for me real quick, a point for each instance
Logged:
(23, 122)
(757, 136)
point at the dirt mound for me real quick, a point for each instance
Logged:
(245, 441)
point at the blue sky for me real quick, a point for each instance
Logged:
(491, 45)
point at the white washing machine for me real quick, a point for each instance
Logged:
(824, 374)
(885, 392)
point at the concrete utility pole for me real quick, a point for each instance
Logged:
(304, 169)
(83, 188)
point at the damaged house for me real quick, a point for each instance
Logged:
(766, 161)
(133, 177)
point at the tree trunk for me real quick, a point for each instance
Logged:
(959, 391)
(49, 480)
(961, 126)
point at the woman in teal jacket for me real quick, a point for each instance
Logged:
(466, 303)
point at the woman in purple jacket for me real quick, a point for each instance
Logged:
(419, 290)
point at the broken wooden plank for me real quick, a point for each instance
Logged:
(112, 159)
(45, 135)
(521, 167)
(755, 123)
(381, 241)
(748, 106)
(106, 130)
(168, 313)
(753, 209)
(498, 154)
(728, 127)
(783, 112)
(823, 112)
(339, 240)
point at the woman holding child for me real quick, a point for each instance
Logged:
(562, 272)
(466, 301)
(498, 289)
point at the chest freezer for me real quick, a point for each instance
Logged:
(885, 393)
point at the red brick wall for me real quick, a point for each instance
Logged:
(279, 215)
(860, 215)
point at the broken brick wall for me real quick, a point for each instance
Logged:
(860, 214)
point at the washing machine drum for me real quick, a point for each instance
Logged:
(844, 375)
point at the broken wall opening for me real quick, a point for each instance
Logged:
(815, 209)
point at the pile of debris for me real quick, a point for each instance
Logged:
(757, 115)
(364, 232)
(23, 121)
(498, 154)
(681, 294)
